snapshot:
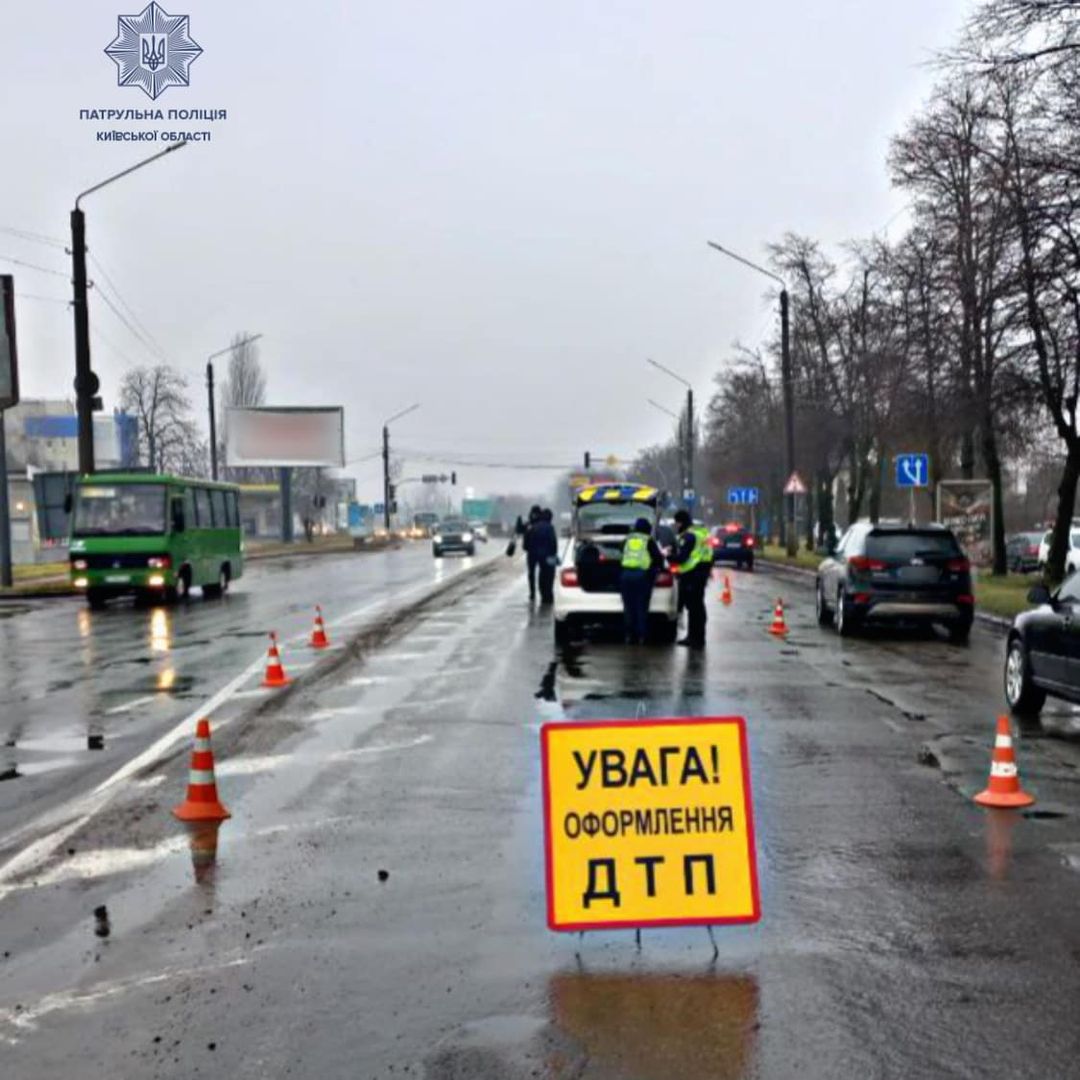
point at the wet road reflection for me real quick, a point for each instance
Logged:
(656, 1026)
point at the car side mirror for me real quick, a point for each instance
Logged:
(1038, 594)
(178, 517)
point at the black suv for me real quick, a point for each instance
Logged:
(1041, 654)
(733, 543)
(896, 573)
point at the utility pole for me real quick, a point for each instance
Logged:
(686, 434)
(86, 382)
(789, 420)
(9, 395)
(211, 401)
(213, 418)
(690, 438)
(386, 475)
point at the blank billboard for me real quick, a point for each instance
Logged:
(285, 437)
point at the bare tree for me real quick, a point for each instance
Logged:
(244, 388)
(169, 440)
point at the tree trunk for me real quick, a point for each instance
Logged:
(993, 472)
(875, 492)
(826, 514)
(1059, 542)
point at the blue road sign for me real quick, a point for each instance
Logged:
(742, 496)
(912, 470)
(379, 508)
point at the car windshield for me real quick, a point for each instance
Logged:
(907, 545)
(610, 517)
(453, 526)
(120, 510)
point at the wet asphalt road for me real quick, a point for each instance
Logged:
(375, 906)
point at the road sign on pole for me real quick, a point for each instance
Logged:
(912, 470)
(795, 485)
(743, 496)
(648, 823)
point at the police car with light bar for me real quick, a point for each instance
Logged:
(590, 565)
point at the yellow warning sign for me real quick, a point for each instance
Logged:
(648, 823)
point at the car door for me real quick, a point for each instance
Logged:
(1047, 635)
(1068, 601)
(829, 569)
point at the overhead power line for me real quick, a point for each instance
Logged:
(156, 346)
(34, 266)
(33, 237)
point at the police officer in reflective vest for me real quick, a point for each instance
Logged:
(692, 562)
(641, 559)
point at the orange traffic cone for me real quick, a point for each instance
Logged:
(202, 802)
(275, 673)
(1004, 786)
(319, 640)
(725, 596)
(779, 627)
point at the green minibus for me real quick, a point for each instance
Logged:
(154, 536)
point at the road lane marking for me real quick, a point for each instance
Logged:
(77, 812)
(117, 709)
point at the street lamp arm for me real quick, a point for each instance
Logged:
(667, 371)
(398, 416)
(664, 409)
(126, 172)
(235, 345)
(747, 262)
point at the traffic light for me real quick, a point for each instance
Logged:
(391, 491)
(453, 477)
(588, 460)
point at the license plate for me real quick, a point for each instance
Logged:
(117, 579)
(733, 543)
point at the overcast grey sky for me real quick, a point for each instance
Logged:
(497, 208)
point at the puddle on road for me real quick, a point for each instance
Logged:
(645, 1026)
(9, 611)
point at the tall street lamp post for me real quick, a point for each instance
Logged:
(688, 434)
(86, 382)
(386, 460)
(791, 537)
(211, 407)
(682, 448)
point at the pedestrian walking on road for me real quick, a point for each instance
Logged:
(545, 546)
(531, 563)
(641, 559)
(692, 562)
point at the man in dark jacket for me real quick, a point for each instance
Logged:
(526, 546)
(545, 547)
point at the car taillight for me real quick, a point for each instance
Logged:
(861, 598)
(664, 580)
(159, 562)
(713, 542)
(965, 598)
(748, 542)
(1033, 549)
(861, 562)
(958, 566)
(568, 578)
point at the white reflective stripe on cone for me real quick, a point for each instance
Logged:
(202, 744)
(1006, 770)
(1003, 742)
(205, 777)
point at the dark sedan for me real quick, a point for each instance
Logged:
(1043, 652)
(889, 572)
(453, 535)
(1022, 552)
(733, 543)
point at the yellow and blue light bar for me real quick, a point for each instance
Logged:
(617, 493)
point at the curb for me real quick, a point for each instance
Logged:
(997, 622)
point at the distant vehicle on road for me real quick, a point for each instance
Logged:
(423, 525)
(453, 535)
(154, 536)
(1072, 556)
(480, 530)
(587, 577)
(733, 543)
(1022, 552)
(1041, 654)
(896, 573)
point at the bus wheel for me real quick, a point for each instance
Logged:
(222, 586)
(182, 589)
